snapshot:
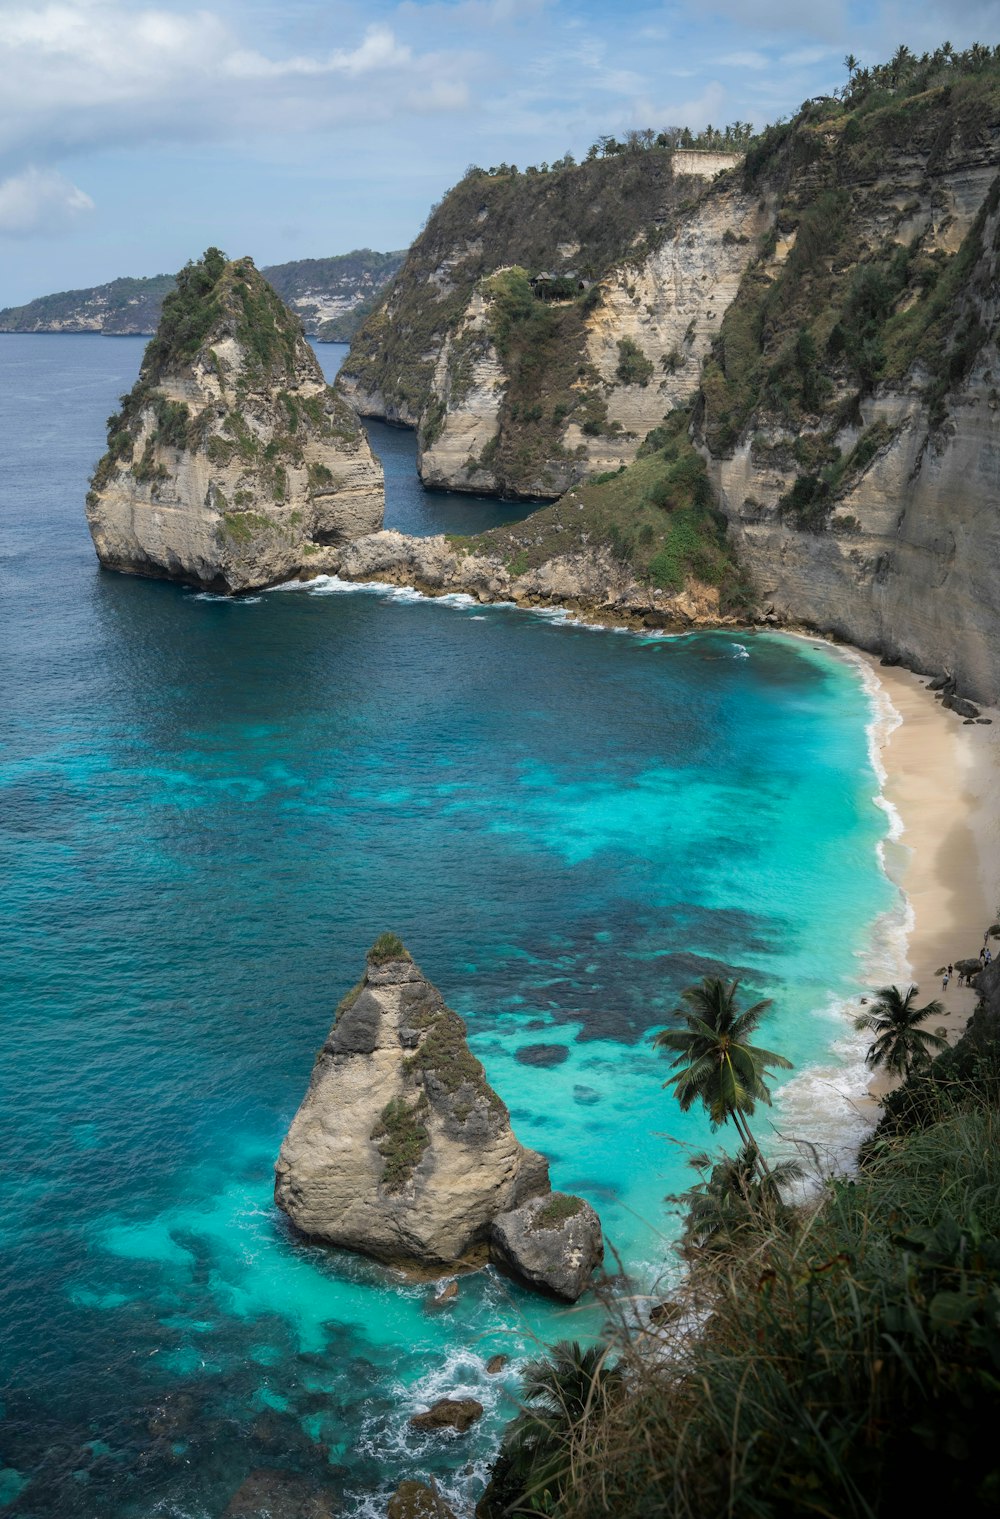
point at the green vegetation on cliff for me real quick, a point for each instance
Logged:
(119, 307)
(311, 285)
(657, 517)
(823, 318)
(215, 300)
(598, 213)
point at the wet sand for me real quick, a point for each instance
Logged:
(943, 778)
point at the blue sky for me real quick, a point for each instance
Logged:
(133, 135)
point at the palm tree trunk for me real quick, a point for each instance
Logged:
(743, 1129)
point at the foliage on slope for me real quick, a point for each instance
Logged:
(133, 305)
(657, 516)
(850, 1354)
(359, 276)
(216, 299)
(811, 334)
(598, 213)
(120, 306)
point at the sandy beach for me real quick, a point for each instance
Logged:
(943, 779)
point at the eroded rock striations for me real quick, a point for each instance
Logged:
(823, 319)
(232, 464)
(402, 1150)
(542, 324)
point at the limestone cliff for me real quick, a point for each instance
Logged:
(232, 464)
(402, 1150)
(826, 314)
(850, 412)
(543, 323)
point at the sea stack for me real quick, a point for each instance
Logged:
(403, 1151)
(232, 464)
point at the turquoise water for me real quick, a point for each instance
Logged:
(208, 810)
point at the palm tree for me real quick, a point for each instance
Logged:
(731, 1199)
(850, 63)
(713, 1059)
(900, 1046)
(560, 1393)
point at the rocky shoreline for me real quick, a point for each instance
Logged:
(587, 581)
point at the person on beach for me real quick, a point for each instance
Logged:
(989, 957)
(944, 982)
(951, 969)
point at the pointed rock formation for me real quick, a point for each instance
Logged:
(401, 1149)
(232, 464)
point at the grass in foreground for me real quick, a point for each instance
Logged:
(851, 1354)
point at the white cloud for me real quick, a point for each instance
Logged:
(748, 60)
(90, 73)
(40, 201)
(378, 51)
(440, 95)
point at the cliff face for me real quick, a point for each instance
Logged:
(232, 464)
(542, 324)
(850, 411)
(831, 304)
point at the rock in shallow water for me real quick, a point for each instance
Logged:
(268, 1494)
(553, 1242)
(449, 1413)
(415, 1500)
(401, 1149)
(541, 1054)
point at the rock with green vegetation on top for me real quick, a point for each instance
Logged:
(231, 464)
(401, 1149)
(553, 1243)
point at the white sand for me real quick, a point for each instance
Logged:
(943, 778)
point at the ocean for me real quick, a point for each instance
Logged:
(209, 809)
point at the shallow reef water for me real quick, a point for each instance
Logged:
(208, 810)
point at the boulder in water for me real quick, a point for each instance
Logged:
(415, 1500)
(401, 1149)
(449, 1413)
(553, 1243)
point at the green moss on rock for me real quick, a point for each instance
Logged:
(401, 1138)
(560, 1207)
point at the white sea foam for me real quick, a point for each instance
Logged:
(740, 651)
(393, 1443)
(829, 1101)
(230, 601)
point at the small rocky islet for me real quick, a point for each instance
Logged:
(232, 464)
(402, 1150)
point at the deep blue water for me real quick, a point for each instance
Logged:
(208, 810)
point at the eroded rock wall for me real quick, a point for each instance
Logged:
(233, 464)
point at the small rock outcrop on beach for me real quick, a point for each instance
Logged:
(401, 1149)
(232, 464)
(554, 1243)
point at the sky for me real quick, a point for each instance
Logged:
(132, 135)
